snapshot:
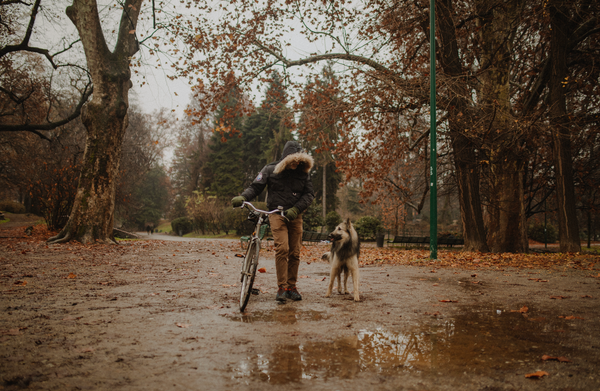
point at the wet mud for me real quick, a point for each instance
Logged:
(157, 315)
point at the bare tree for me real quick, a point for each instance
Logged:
(105, 118)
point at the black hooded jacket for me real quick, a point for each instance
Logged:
(286, 187)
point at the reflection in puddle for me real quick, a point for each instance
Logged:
(479, 341)
(285, 315)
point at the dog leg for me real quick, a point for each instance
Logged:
(355, 283)
(346, 274)
(334, 271)
(339, 280)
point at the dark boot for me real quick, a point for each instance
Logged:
(281, 296)
(293, 294)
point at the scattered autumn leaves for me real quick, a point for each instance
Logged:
(540, 374)
(463, 259)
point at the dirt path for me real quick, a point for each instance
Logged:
(156, 315)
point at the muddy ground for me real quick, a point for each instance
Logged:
(163, 314)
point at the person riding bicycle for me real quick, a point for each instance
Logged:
(289, 185)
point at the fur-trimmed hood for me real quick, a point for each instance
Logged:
(292, 152)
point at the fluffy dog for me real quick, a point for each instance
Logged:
(343, 257)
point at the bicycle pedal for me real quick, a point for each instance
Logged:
(255, 291)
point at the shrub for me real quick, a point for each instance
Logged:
(312, 217)
(241, 224)
(535, 232)
(12, 207)
(182, 226)
(332, 220)
(367, 227)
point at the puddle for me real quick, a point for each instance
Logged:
(471, 284)
(428, 279)
(479, 341)
(285, 315)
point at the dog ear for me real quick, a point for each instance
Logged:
(348, 222)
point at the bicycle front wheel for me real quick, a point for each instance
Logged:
(248, 273)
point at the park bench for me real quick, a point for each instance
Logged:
(410, 240)
(450, 241)
(443, 240)
(313, 237)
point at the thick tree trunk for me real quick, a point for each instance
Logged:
(568, 227)
(507, 228)
(465, 160)
(324, 189)
(467, 177)
(105, 118)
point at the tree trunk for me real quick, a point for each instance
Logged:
(463, 149)
(507, 228)
(568, 227)
(324, 189)
(467, 178)
(105, 119)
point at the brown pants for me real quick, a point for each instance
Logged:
(287, 236)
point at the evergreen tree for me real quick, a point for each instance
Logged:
(320, 134)
(151, 197)
(242, 147)
(277, 117)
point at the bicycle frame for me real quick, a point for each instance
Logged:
(250, 262)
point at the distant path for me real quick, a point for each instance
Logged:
(174, 238)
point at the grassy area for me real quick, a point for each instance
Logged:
(221, 235)
(164, 228)
(592, 250)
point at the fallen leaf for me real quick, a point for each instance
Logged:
(87, 350)
(537, 375)
(182, 325)
(523, 310)
(262, 270)
(303, 277)
(570, 317)
(449, 301)
(71, 275)
(545, 357)
(20, 283)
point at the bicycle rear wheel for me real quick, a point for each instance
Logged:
(248, 273)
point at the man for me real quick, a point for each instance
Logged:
(289, 185)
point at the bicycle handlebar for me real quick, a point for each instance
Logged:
(278, 210)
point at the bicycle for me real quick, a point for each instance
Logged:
(250, 263)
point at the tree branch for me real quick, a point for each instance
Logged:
(24, 45)
(330, 56)
(35, 128)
